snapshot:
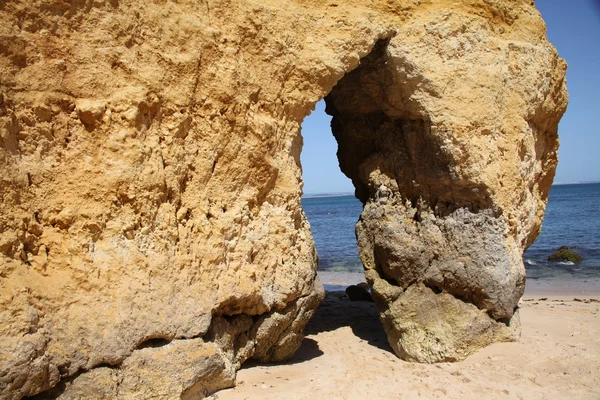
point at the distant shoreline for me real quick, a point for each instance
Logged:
(319, 195)
(576, 183)
(342, 194)
(338, 281)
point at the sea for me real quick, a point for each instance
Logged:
(572, 219)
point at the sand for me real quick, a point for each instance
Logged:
(346, 355)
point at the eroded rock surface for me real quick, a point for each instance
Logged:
(449, 132)
(151, 233)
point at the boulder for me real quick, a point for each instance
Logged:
(358, 293)
(151, 235)
(564, 254)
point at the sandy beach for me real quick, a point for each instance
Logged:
(345, 355)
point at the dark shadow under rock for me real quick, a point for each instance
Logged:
(337, 311)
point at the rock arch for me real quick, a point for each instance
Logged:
(434, 245)
(151, 234)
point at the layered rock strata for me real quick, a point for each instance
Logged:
(151, 233)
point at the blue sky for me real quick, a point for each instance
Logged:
(574, 29)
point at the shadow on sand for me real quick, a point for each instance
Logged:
(337, 311)
(308, 350)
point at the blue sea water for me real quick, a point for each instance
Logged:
(332, 221)
(572, 219)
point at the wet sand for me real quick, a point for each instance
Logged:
(346, 355)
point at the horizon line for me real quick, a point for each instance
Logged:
(338, 194)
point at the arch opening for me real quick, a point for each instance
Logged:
(431, 242)
(328, 201)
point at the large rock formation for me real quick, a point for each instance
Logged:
(151, 233)
(449, 133)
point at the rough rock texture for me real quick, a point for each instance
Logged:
(151, 233)
(449, 133)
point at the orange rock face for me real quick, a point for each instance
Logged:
(151, 232)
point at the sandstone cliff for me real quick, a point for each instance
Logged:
(151, 233)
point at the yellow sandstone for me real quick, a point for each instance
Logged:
(151, 233)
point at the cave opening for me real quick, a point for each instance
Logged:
(328, 202)
(427, 233)
(340, 136)
(383, 147)
(353, 132)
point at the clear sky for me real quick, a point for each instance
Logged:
(574, 29)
